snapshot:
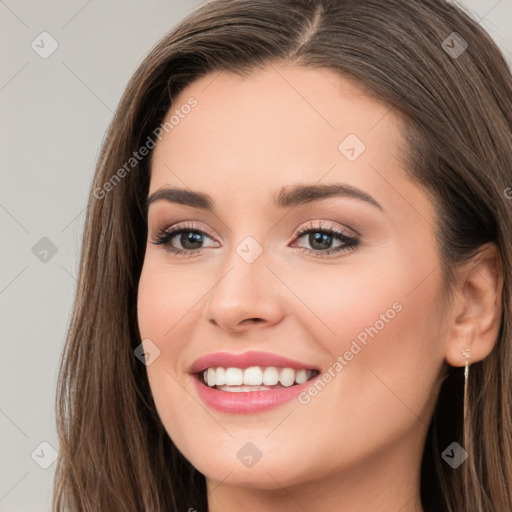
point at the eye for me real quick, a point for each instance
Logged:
(191, 238)
(321, 238)
(188, 235)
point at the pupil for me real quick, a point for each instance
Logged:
(191, 238)
(319, 238)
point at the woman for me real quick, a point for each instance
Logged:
(295, 284)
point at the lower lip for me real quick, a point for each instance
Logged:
(249, 401)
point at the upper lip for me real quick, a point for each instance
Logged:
(246, 360)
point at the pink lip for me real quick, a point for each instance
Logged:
(245, 360)
(250, 401)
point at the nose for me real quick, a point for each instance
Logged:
(246, 296)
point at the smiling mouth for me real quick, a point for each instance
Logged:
(254, 378)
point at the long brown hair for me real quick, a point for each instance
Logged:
(442, 74)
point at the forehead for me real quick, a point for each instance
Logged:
(277, 126)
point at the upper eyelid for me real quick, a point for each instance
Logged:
(346, 230)
(188, 226)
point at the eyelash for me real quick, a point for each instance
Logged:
(349, 242)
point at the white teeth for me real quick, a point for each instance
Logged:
(220, 377)
(287, 377)
(255, 376)
(270, 376)
(301, 376)
(243, 389)
(234, 377)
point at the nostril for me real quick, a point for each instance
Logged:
(252, 320)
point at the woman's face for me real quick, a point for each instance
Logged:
(361, 308)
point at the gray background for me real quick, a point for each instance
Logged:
(54, 114)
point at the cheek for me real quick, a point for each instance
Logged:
(380, 324)
(386, 334)
(161, 302)
(348, 302)
(165, 313)
(164, 297)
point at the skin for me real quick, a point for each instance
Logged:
(357, 445)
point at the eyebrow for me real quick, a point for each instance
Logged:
(286, 197)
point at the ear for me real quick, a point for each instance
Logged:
(476, 308)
